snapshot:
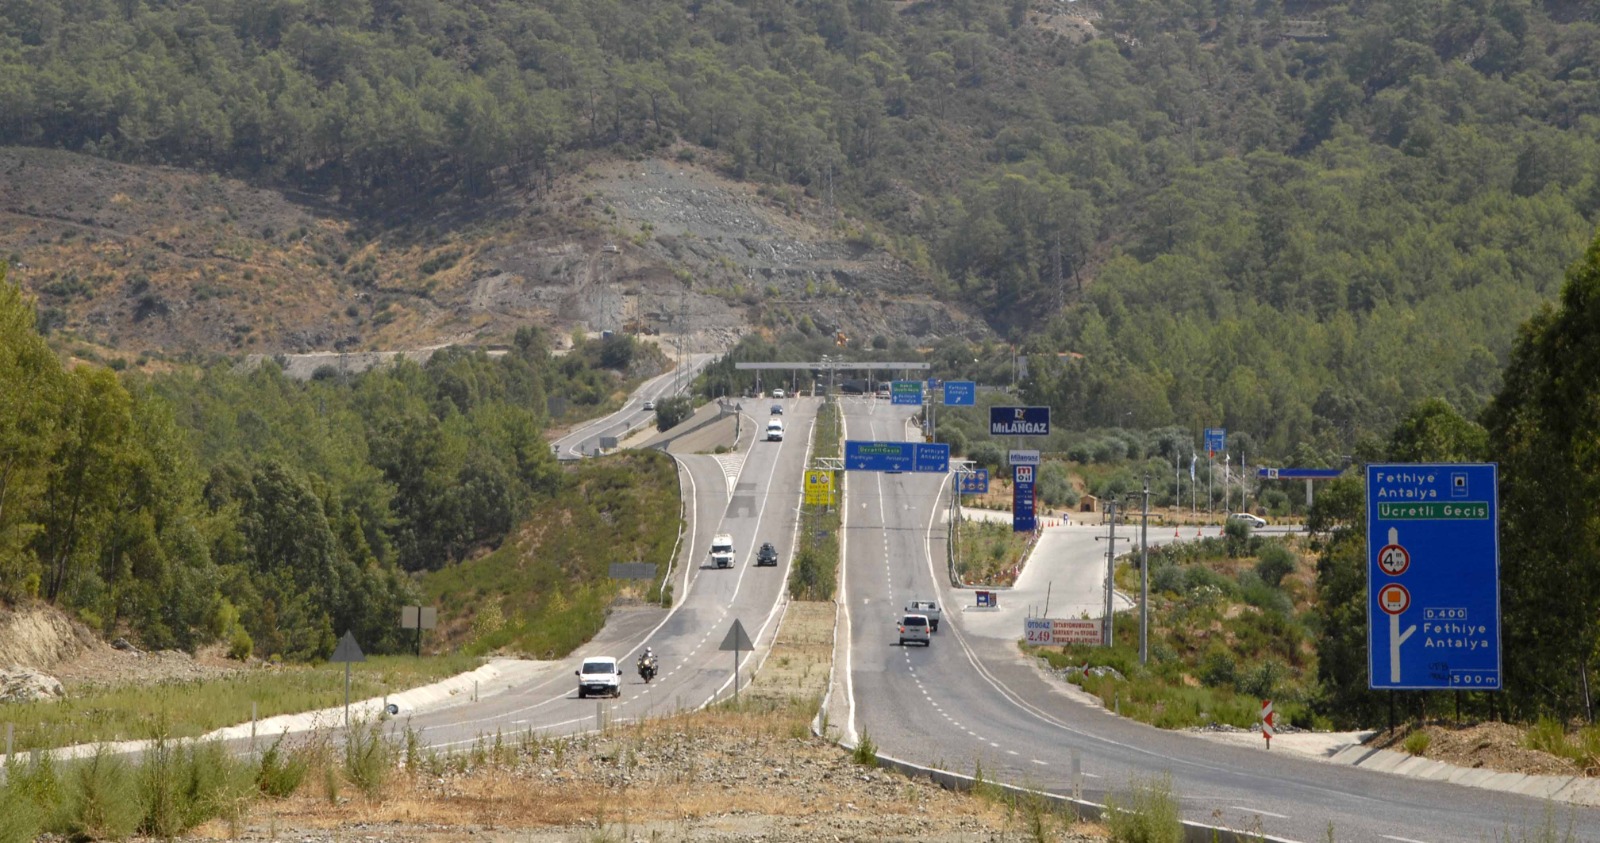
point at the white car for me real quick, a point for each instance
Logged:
(775, 430)
(1255, 521)
(649, 405)
(915, 628)
(777, 393)
(599, 676)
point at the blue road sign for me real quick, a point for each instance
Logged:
(960, 393)
(1019, 421)
(1022, 514)
(1216, 440)
(1433, 577)
(976, 483)
(905, 392)
(1299, 473)
(896, 456)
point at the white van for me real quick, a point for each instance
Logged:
(775, 430)
(722, 550)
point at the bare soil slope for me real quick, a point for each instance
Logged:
(135, 260)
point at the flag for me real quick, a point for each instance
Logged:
(1192, 458)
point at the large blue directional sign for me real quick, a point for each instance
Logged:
(976, 482)
(960, 393)
(1216, 440)
(1023, 519)
(896, 456)
(1299, 473)
(905, 392)
(1019, 421)
(1433, 577)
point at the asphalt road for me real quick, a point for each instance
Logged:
(752, 493)
(585, 440)
(970, 702)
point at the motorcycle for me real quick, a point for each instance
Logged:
(647, 670)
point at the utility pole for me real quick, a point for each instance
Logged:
(1111, 561)
(1144, 578)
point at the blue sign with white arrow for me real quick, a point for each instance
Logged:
(896, 456)
(1216, 440)
(960, 393)
(1433, 577)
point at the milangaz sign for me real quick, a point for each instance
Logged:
(1019, 421)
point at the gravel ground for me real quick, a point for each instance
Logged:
(718, 776)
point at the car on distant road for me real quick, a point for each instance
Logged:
(722, 554)
(767, 555)
(649, 405)
(1255, 521)
(775, 430)
(777, 393)
(777, 409)
(599, 676)
(915, 628)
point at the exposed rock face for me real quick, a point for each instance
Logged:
(40, 638)
(20, 685)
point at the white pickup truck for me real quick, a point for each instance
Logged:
(928, 609)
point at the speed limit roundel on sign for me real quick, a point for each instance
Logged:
(1394, 559)
(1394, 598)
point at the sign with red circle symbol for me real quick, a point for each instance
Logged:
(1394, 599)
(1394, 559)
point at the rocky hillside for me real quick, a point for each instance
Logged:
(139, 262)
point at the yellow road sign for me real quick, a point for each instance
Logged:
(819, 487)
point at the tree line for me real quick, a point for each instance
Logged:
(254, 509)
(1225, 225)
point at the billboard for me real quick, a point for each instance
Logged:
(1019, 421)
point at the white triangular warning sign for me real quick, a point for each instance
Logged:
(348, 650)
(737, 639)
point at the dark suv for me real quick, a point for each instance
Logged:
(767, 555)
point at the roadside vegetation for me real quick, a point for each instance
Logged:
(192, 708)
(274, 515)
(990, 552)
(546, 589)
(1231, 624)
(814, 575)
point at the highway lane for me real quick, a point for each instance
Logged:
(585, 440)
(971, 701)
(753, 494)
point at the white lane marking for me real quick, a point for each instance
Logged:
(1012, 752)
(1401, 839)
(1040, 763)
(1280, 816)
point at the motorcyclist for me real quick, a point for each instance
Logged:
(647, 660)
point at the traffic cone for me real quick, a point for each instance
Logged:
(1175, 533)
(1198, 532)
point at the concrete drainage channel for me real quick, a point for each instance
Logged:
(1193, 832)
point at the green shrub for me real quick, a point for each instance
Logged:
(100, 800)
(280, 772)
(241, 646)
(866, 752)
(1416, 743)
(1147, 813)
(369, 757)
(1219, 670)
(1275, 563)
(1549, 735)
(20, 817)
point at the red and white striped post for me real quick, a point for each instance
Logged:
(1267, 716)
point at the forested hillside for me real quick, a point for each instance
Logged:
(1288, 218)
(267, 513)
